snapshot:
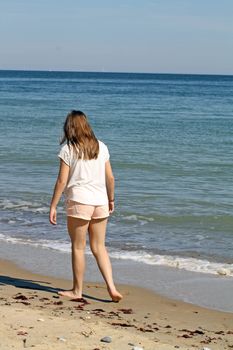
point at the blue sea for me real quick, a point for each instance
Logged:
(170, 138)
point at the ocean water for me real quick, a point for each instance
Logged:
(170, 139)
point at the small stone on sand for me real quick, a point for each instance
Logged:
(61, 339)
(106, 339)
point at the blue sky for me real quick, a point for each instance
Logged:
(170, 36)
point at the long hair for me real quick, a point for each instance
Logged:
(79, 134)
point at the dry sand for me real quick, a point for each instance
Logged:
(33, 316)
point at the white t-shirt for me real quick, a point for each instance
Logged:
(86, 182)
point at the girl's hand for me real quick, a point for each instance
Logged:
(111, 207)
(53, 216)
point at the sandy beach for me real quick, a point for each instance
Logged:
(34, 316)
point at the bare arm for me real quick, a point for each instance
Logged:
(110, 184)
(58, 189)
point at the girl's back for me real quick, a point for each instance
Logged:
(86, 183)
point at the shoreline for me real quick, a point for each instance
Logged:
(214, 292)
(31, 310)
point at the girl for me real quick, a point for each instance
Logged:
(86, 176)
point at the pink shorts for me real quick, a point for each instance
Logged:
(85, 211)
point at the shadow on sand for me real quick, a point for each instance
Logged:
(36, 285)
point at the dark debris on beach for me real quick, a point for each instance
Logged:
(117, 317)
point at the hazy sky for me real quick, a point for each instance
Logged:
(186, 36)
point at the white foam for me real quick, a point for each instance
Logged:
(131, 217)
(34, 207)
(141, 218)
(187, 263)
(178, 262)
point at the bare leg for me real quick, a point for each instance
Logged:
(77, 229)
(97, 231)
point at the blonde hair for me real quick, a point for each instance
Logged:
(79, 134)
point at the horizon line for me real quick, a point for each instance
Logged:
(111, 72)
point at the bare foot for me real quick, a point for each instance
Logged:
(70, 294)
(115, 295)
